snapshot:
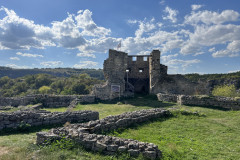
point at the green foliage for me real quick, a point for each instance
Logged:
(63, 143)
(24, 127)
(43, 80)
(44, 90)
(46, 84)
(196, 77)
(58, 72)
(225, 90)
(4, 80)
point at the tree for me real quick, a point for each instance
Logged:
(44, 90)
(78, 88)
(225, 90)
(4, 80)
(43, 80)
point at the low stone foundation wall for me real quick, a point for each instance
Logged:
(37, 118)
(85, 134)
(167, 97)
(224, 102)
(46, 100)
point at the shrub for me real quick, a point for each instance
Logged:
(44, 90)
(225, 90)
(24, 127)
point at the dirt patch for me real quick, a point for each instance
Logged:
(3, 150)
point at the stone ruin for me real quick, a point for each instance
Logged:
(128, 74)
(91, 134)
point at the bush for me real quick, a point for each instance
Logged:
(225, 90)
(23, 127)
(44, 90)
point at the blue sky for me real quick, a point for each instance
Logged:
(194, 36)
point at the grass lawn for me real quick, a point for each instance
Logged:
(213, 136)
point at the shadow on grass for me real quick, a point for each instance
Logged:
(140, 100)
(136, 126)
(32, 129)
(211, 107)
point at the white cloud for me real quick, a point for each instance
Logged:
(166, 58)
(196, 7)
(171, 14)
(16, 32)
(85, 22)
(86, 64)
(232, 50)
(66, 33)
(151, 38)
(17, 66)
(52, 63)
(224, 53)
(209, 17)
(176, 65)
(212, 49)
(234, 71)
(28, 55)
(100, 45)
(86, 55)
(145, 27)
(198, 53)
(183, 63)
(210, 35)
(234, 46)
(162, 2)
(72, 32)
(172, 44)
(14, 58)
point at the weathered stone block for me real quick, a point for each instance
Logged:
(112, 148)
(100, 146)
(122, 149)
(133, 152)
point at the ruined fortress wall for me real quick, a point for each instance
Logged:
(46, 100)
(38, 118)
(85, 134)
(224, 102)
(178, 84)
(114, 71)
(137, 65)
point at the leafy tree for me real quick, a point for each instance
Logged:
(44, 90)
(43, 80)
(225, 90)
(78, 88)
(4, 80)
(20, 87)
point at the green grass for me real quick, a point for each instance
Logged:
(213, 136)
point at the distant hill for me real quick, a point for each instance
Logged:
(216, 79)
(197, 77)
(58, 72)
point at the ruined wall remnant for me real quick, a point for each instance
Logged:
(38, 118)
(89, 134)
(47, 101)
(131, 73)
(201, 100)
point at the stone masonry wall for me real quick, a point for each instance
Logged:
(46, 100)
(87, 134)
(37, 118)
(224, 102)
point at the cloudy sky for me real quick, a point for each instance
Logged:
(194, 36)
